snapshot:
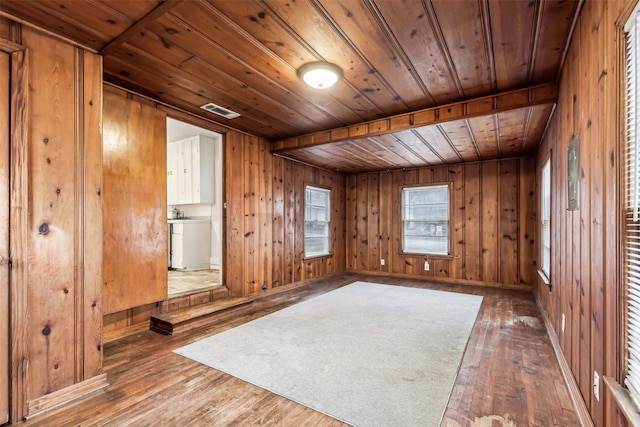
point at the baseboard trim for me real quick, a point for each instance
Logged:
(579, 405)
(66, 395)
(524, 288)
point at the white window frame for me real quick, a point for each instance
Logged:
(631, 206)
(545, 221)
(309, 251)
(430, 226)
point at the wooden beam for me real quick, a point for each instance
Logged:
(536, 95)
(162, 8)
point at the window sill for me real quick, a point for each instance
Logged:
(433, 256)
(624, 401)
(315, 257)
(545, 278)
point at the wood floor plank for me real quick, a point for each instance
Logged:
(508, 373)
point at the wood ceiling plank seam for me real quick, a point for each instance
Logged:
(368, 104)
(164, 7)
(569, 39)
(488, 42)
(411, 150)
(248, 37)
(167, 97)
(255, 71)
(84, 44)
(352, 148)
(71, 21)
(176, 82)
(400, 53)
(442, 44)
(426, 144)
(452, 145)
(535, 39)
(240, 83)
(473, 137)
(329, 19)
(286, 27)
(526, 126)
(386, 149)
(483, 106)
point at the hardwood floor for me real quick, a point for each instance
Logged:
(509, 375)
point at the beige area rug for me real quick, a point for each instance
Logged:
(367, 354)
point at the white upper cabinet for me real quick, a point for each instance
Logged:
(190, 171)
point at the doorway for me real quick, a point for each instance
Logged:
(194, 208)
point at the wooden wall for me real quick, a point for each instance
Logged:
(135, 203)
(493, 223)
(264, 240)
(585, 242)
(56, 222)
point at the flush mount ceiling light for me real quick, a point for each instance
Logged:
(320, 75)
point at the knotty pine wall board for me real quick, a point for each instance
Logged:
(492, 223)
(585, 243)
(56, 221)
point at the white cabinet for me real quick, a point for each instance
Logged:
(190, 244)
(190, 171)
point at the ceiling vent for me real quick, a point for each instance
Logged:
(221, 111)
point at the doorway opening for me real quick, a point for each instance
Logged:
(194, 208)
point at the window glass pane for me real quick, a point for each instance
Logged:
(546, 218)
(317, 221)
(426, 219)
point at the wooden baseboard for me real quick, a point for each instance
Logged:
(579, 405)
(524, 288)
(66, 395)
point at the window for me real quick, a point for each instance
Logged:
(316, 221)
(546, 220)
(631, 203)
(425, 220)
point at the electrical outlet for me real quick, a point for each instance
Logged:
(381, 261)
(596, 385)
(562, 327)
(426, 265)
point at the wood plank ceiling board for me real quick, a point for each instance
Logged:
(397, 57)
(506, 134)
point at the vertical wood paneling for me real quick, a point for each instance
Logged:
(586, 242)
(472, 217)
(5, 379)
(265, 218)
(490, 186)
(508, 222)
(134, 209)
(56, 217)
(527, 259)
(51, 152)
(278, 222)
(486, 221)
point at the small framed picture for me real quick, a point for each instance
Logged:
(574, 174)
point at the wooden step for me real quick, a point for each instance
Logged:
(187, 318)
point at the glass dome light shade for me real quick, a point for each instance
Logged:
(320, 75)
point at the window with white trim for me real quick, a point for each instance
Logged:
(317, 217)
(425, 220)
(545, 231)
(631, 202)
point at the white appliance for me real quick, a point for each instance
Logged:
(189, 244)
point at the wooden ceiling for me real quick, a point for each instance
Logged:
(401, 59)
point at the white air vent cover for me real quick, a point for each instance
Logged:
(221, 111)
